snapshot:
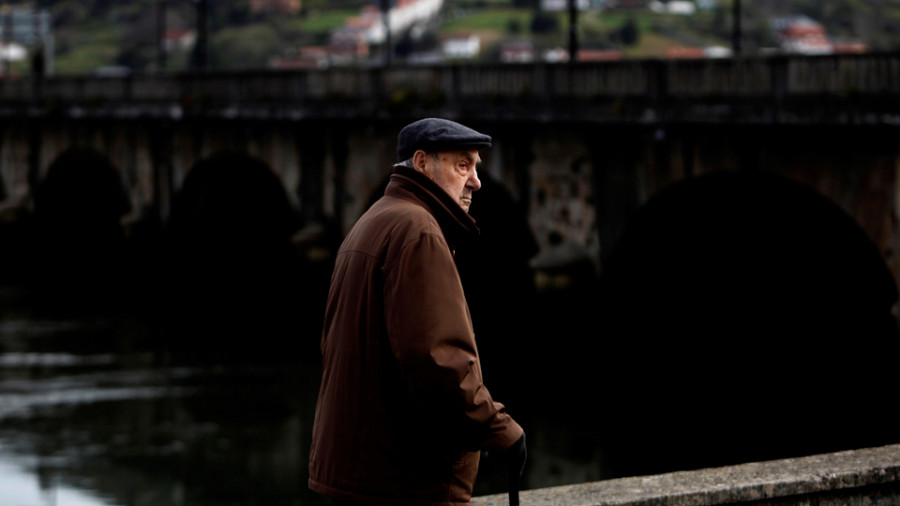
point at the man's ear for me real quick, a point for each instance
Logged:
(420, 161)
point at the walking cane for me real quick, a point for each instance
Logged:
(514, 495)
(514, 467)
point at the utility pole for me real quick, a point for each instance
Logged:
(573, 30)
(161, 35)
(736, 35)
(7, 28)
(386, 18)
(200, 60)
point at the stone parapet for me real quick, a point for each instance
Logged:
(869, 476)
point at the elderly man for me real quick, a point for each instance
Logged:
(403, 413)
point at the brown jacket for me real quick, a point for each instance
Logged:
(402, 412)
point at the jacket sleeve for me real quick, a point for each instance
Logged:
(431, 336)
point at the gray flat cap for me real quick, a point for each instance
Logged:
(437, 134)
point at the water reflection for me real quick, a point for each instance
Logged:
(140, 428)
(135, 428)
(184, 373)
(19, 486)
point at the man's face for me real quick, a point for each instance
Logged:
(454, 171)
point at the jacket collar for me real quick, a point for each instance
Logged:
(454, 221)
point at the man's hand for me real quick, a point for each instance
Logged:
(515, 465)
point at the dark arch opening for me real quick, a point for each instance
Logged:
(78, 209)
(235, 279)
(747, 318)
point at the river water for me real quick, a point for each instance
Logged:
(84, 423)
(93, 412)
(104, 403)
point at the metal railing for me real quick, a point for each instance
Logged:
(775, 78)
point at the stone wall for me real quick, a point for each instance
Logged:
(578, 183)
(864, 477)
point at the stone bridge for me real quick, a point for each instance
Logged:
(711, 246)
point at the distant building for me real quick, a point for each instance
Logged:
(717, 52)
(350, 43)
(685, 53)
(346, 48)
(275, 6)
(681, 52)
(404, 15)
(561, 55)
(307, 58)
(800, 34)
(425, 58)
(23, 24)
(12, 52)
(517, 52)
(179, 39)
(556, 55)
(627, 4)
(561, 5)
(318, 57)
(849, 47)
(461, 46)
(674, 7)
(598, 55)
(368, 25)
(25, 29)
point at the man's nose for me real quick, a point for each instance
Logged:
(474, 182)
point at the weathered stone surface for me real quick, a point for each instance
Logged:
(868, 476)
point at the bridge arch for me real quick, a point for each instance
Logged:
(763, 242)
(78, 207)
(234, 276)
(747, 317)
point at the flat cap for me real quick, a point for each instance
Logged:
(437, 134)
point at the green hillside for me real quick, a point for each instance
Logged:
(99, 33)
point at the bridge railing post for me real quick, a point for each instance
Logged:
(657, 85)
(453, 90)
(778, 66)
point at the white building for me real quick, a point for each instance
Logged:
(800, 34)
(462, 46)
(404, 15)
(182, 39)
(683, 7)
(561, 5)
(12, 52)
(517, 52)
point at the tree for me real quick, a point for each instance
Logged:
(244, 48)
(629, 34)
(69, 12)
(230, 13)
(544, 23)
(514, 26)
(137, 43)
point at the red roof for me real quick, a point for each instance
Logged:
(685, 52)
(598, 55)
